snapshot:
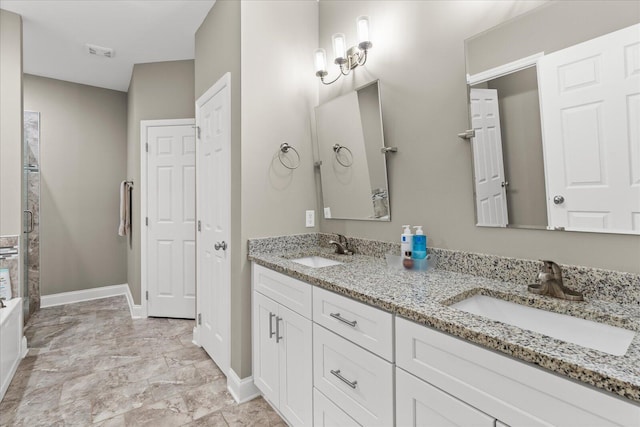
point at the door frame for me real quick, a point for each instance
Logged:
(144, 131)
(224, 81)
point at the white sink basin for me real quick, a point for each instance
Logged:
(587, 333)
(316, 261)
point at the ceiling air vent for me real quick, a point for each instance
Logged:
(92, 49)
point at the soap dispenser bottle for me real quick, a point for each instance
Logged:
(419, 244)
(406, 240)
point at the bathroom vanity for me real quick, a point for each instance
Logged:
(388, 349)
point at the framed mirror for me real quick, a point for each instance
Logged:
(353, 167)
(554, 101)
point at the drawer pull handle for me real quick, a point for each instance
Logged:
(343, 379)
(271, 333)
(278, 337)
(337, 316)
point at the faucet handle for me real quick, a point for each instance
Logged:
(552, 268)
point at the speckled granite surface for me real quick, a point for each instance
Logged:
(424, 298)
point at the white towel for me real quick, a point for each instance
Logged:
(125, 209)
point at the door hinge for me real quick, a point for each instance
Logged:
(199, 318)
(146, 221)
(198, 131)
(147, 295)
(146, 147)
(199, 226)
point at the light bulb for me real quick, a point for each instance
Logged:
(320, 60)
(339, 48)
(364, 40)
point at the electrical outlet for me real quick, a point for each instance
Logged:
(311, 218)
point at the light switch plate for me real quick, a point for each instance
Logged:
(310, 218)
(327, 212)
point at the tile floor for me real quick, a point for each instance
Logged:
(90, 364)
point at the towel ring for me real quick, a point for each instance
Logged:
(337, 148)
(284, 148)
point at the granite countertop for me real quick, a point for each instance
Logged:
(424, 297)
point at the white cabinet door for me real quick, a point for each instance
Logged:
(265, 348)
(420, 404)
(296, 367)
(328, 414)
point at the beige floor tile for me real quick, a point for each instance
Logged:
(90, 364)
(164, 413)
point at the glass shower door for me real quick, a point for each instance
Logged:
(31, 209)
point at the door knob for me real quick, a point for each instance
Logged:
(504, 184)
(558, 200)
(220, 245)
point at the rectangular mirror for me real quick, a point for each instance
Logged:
(554, 102)
(353, 168)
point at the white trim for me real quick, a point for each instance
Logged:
(196, 335)
(83, 295)
(25, 348)
(143, 309)
(136, 310)
(242, 390)
(503, 70)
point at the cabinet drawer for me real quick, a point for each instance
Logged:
(292, 293)
(366, 326)
(514, 392)
(420, 404)
(327, 414)
(356, 380)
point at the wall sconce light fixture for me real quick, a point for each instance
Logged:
(346, 59)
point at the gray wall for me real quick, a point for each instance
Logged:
(424, 108)
(159, 90)
(218, 52)
(521, 131)
(278, 97)
(10, 123)
(546, 30)
(271, 102)
(83, 151)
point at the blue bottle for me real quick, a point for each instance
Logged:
(419, 244)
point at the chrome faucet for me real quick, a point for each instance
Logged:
(342, 245)
(550, 277)
(2, 305)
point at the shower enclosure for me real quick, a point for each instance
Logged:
(31, 209)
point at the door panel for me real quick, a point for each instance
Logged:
(296, 367)
(213, 211)
(589, 96)
(488, 162)
(171, 229)
(265, 348)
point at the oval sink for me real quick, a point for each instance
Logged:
(587, 333)
(316, 261)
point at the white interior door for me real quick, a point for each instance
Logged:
(590, 101)
(171, 227)
(488, 162)
(213, 118)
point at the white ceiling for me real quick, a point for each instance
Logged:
(55, 33)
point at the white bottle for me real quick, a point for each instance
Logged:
(406, 240)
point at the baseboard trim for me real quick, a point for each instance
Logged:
(24, 349)
(137, 311)
(242, 390)
(83, 295)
